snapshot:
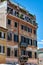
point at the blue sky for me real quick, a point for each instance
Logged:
(35, 7)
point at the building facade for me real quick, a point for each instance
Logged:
(21, 34)
(40, 56)
(3, 45)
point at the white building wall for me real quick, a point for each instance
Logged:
(3, 12)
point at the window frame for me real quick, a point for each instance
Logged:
(23, 52)
(11, 10)
(15, 54)
(35, 32)
(16, 24)
(17, 38)
(25, 28)
(9, 33)
(2, 49)
(35, 55)
(30, 56)
(2, 35)
(9, 20)
(35, 43)
(9, 52)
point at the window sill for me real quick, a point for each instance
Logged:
(2, 38)
(2, 53)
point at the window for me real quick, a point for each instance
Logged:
(30, 42)
(34, 22)
(29, 30)
(16, 13)
(16, 38)
(2, 35)
(35, 54)
(30, 54)
(25, 28)
(8, 51)
(27, 18)
(9, 22)
(15, 24)
(23, 39)
(15, 52)
(9, 36)
(26, 40)
(9, 10)
(35, 43)
(35, 32)
(2, 49)
(23, 52)
(22, 27)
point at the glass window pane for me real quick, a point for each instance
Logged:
(0, 49)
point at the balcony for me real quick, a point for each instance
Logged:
(34, 23)
(23, 58)
(20, 15)
(22, 44)
(9, 10)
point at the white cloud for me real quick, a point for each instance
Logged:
(40, 42)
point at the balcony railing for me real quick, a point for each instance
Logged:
(21, 16)
(23, 58)
(22, 44)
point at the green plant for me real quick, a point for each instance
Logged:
(21, 16)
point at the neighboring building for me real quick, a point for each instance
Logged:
(21, 39)
(40, 56)
(3, 45)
